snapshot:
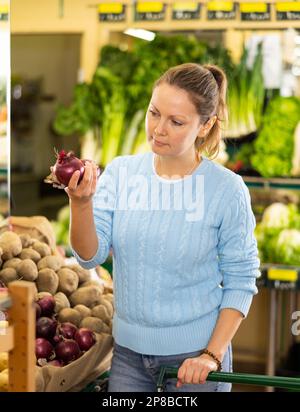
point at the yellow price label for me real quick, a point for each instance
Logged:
(285, 275)
(4, 8)
(113, 8)
(186, 6)
(149, 7)
(253, 7)
(220, 6)
(288, 6)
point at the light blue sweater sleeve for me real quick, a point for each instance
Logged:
(103, 207)
(237, 251)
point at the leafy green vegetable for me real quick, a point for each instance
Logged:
(274, 145)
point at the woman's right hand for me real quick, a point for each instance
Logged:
(83, 192)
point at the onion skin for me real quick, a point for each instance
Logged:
(85, 338)
(47, 305)
(46, 328)
(43, 349)
(67, 351)
(67, 330)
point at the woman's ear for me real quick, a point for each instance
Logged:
(207, 126)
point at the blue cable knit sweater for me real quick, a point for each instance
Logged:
(182, 250)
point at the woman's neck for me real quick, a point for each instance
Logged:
(181, 166)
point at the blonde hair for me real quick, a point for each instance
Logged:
(206, 85)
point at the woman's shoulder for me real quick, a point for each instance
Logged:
(228, 179)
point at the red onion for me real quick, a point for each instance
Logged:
(67, 351)
(56, 339)
(43, 349)
(67, 330)
(47, 304)
(85, 338)
(66, 165)
(46, 328)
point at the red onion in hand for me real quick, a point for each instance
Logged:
(66, 164)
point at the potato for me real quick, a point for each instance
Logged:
(3, 382)
(83, 310)
(28, 253)
(1, 252)
(109, 297)
(88, 296)
(61, 302)
(68, 281)
(47, 281)
(50, 262)
(108, 305)
(93, 283)
(70, 315)
(26, 240)
(11, 245)
(42, 248)
(94, 324)
(8, 275)
(84, 275)
(27, 270)
(100, 312)
(12, 263)
(3, 361)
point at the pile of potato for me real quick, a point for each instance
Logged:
(79, 300)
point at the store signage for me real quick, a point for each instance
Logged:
(284, 275)
(186, 10)
(288, 11)
(255, 11)
(111, 12)
(150, 11)
(4, 12)
(221, 10)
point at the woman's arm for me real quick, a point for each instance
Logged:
(195, 370)
(83, 235)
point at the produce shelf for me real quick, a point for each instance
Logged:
(272, 183)
(282, 277)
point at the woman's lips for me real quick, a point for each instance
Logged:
(157, 143)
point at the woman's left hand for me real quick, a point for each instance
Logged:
(195, 370)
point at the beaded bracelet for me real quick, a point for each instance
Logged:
(212, 355)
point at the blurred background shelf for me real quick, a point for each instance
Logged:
(272, 183)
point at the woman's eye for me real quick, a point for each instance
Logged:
(176, 123)
(154, 114)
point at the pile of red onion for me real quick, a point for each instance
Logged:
(66, 164)
(58, 344)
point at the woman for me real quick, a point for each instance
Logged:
(181, 228)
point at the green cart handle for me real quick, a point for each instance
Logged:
(241, 378)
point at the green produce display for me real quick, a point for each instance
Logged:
(278, 235)
(274, 146)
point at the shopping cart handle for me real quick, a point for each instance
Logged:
(241, 378)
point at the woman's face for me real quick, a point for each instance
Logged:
(172, 123)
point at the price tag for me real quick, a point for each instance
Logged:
(186, 10)
(288, 11)
(112, 12)
(284, 275)
(255, 11)
(4, 11)
(221, 10)
(150, 11)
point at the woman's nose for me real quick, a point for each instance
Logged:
(160, 129)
